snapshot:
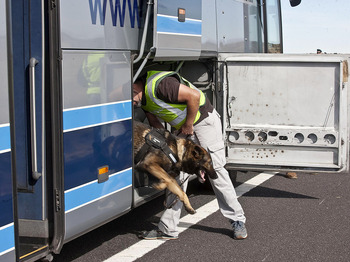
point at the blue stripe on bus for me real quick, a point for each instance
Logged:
(6, 211)
(96, 115)
(5, 141)
(92, 191)
(170, 24)
(7, 238)
(87, 149)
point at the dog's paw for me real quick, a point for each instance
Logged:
(191, 211)
(291, 175)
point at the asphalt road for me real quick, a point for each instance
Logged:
(303, 219)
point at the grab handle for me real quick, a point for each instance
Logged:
(35, 174)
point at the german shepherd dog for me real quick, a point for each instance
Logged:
(192, 159)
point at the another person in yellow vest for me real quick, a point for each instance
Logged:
(168, 96)
(91, 70)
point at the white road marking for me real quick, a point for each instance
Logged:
(142, 247)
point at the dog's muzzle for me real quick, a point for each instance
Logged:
(202, 173)
(201, 177)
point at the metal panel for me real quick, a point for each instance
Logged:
(100, 24)
(173, 39)
(177, 47)
(10, 256)
(96, 213)
(238, 26)
(286, 112)
(209, 34)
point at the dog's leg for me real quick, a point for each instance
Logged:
(170, 183)
(159, 186)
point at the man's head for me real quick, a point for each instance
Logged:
(138, 88)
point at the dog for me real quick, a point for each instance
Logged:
(190, 158)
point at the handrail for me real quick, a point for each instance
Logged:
(32, 63)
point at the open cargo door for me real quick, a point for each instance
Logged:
(286, 112)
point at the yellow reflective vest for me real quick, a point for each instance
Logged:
(174, 114)
(92, 72)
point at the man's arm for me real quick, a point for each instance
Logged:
(153, 120)
(192, 98)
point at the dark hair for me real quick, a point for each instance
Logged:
(141, 80)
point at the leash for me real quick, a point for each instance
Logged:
(175, 197)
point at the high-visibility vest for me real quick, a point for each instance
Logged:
(92, 72)
(174, 114)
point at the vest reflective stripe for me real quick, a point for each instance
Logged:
(93, 90)
(174, 114)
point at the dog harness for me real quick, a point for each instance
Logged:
(156, 139)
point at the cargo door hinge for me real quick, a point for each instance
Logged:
(53, 4)
(57, 200)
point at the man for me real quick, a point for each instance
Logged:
(168, 96)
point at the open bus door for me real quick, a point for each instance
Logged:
(36, 201)
(286, 112)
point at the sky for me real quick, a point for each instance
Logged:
(323, 24)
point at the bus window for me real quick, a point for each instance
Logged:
(273, 40)
(253, 28)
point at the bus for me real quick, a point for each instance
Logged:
(66, 113)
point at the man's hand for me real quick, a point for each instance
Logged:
(187, 129)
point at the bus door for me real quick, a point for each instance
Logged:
(286, 112)
(96, 110)
(30, 177)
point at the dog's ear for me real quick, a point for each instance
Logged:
(197, 152)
